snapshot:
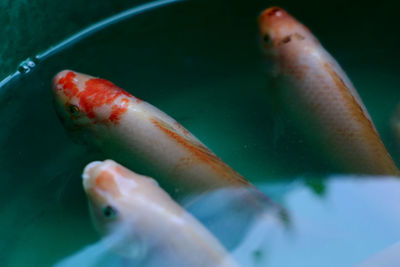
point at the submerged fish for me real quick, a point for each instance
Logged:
(316, 93)
(157, 226)
(137, 134)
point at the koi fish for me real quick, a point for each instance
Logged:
(319, 97)
(137, 134)
(168, 235)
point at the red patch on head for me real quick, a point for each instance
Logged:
(69, 87)
(273, 11)
(118, 110)
(272, 18)
(100, 92)
(105, 182)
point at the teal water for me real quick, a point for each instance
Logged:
(209, 75)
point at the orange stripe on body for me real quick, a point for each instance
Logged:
(106, 182)
(350, 100)
(202, 154)
(368, 129)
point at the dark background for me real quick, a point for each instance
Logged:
(351, 29)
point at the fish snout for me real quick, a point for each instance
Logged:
(100, 180)
(91, 171)
(273, 23)
(270, 17)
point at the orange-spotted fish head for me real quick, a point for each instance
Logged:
(85, 103)
(103, 193)
(279, 30)
(115, 193)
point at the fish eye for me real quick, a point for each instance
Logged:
(267, 39)
(109, 212)
(74, 110)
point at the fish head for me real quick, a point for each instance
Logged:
(86, 104)
(117, 195)
(280, 31)
(107, 190)
(120, 203)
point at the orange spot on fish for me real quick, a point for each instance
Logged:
(273, 11)
(105, 182)
(118, 109)
(100, 92)
(201, 153)
(273, 17)
(69, 87)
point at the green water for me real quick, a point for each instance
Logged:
(199, 62)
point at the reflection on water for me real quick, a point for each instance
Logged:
(356, 217)
(222, 100)
(388, 257)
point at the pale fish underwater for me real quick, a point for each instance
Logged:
(98, 113)
(318, 228)
(319, 98)
(145, 223)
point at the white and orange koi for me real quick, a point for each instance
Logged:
(320, 98)
(138, 134)
(168, 235)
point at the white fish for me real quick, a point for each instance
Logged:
(155, 227)
(319, 97)
(137, 134)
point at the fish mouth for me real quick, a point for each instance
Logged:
(273, 20)
(90, 173)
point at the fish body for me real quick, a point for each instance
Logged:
(319, 97)
(134, 132)
(150, 220)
